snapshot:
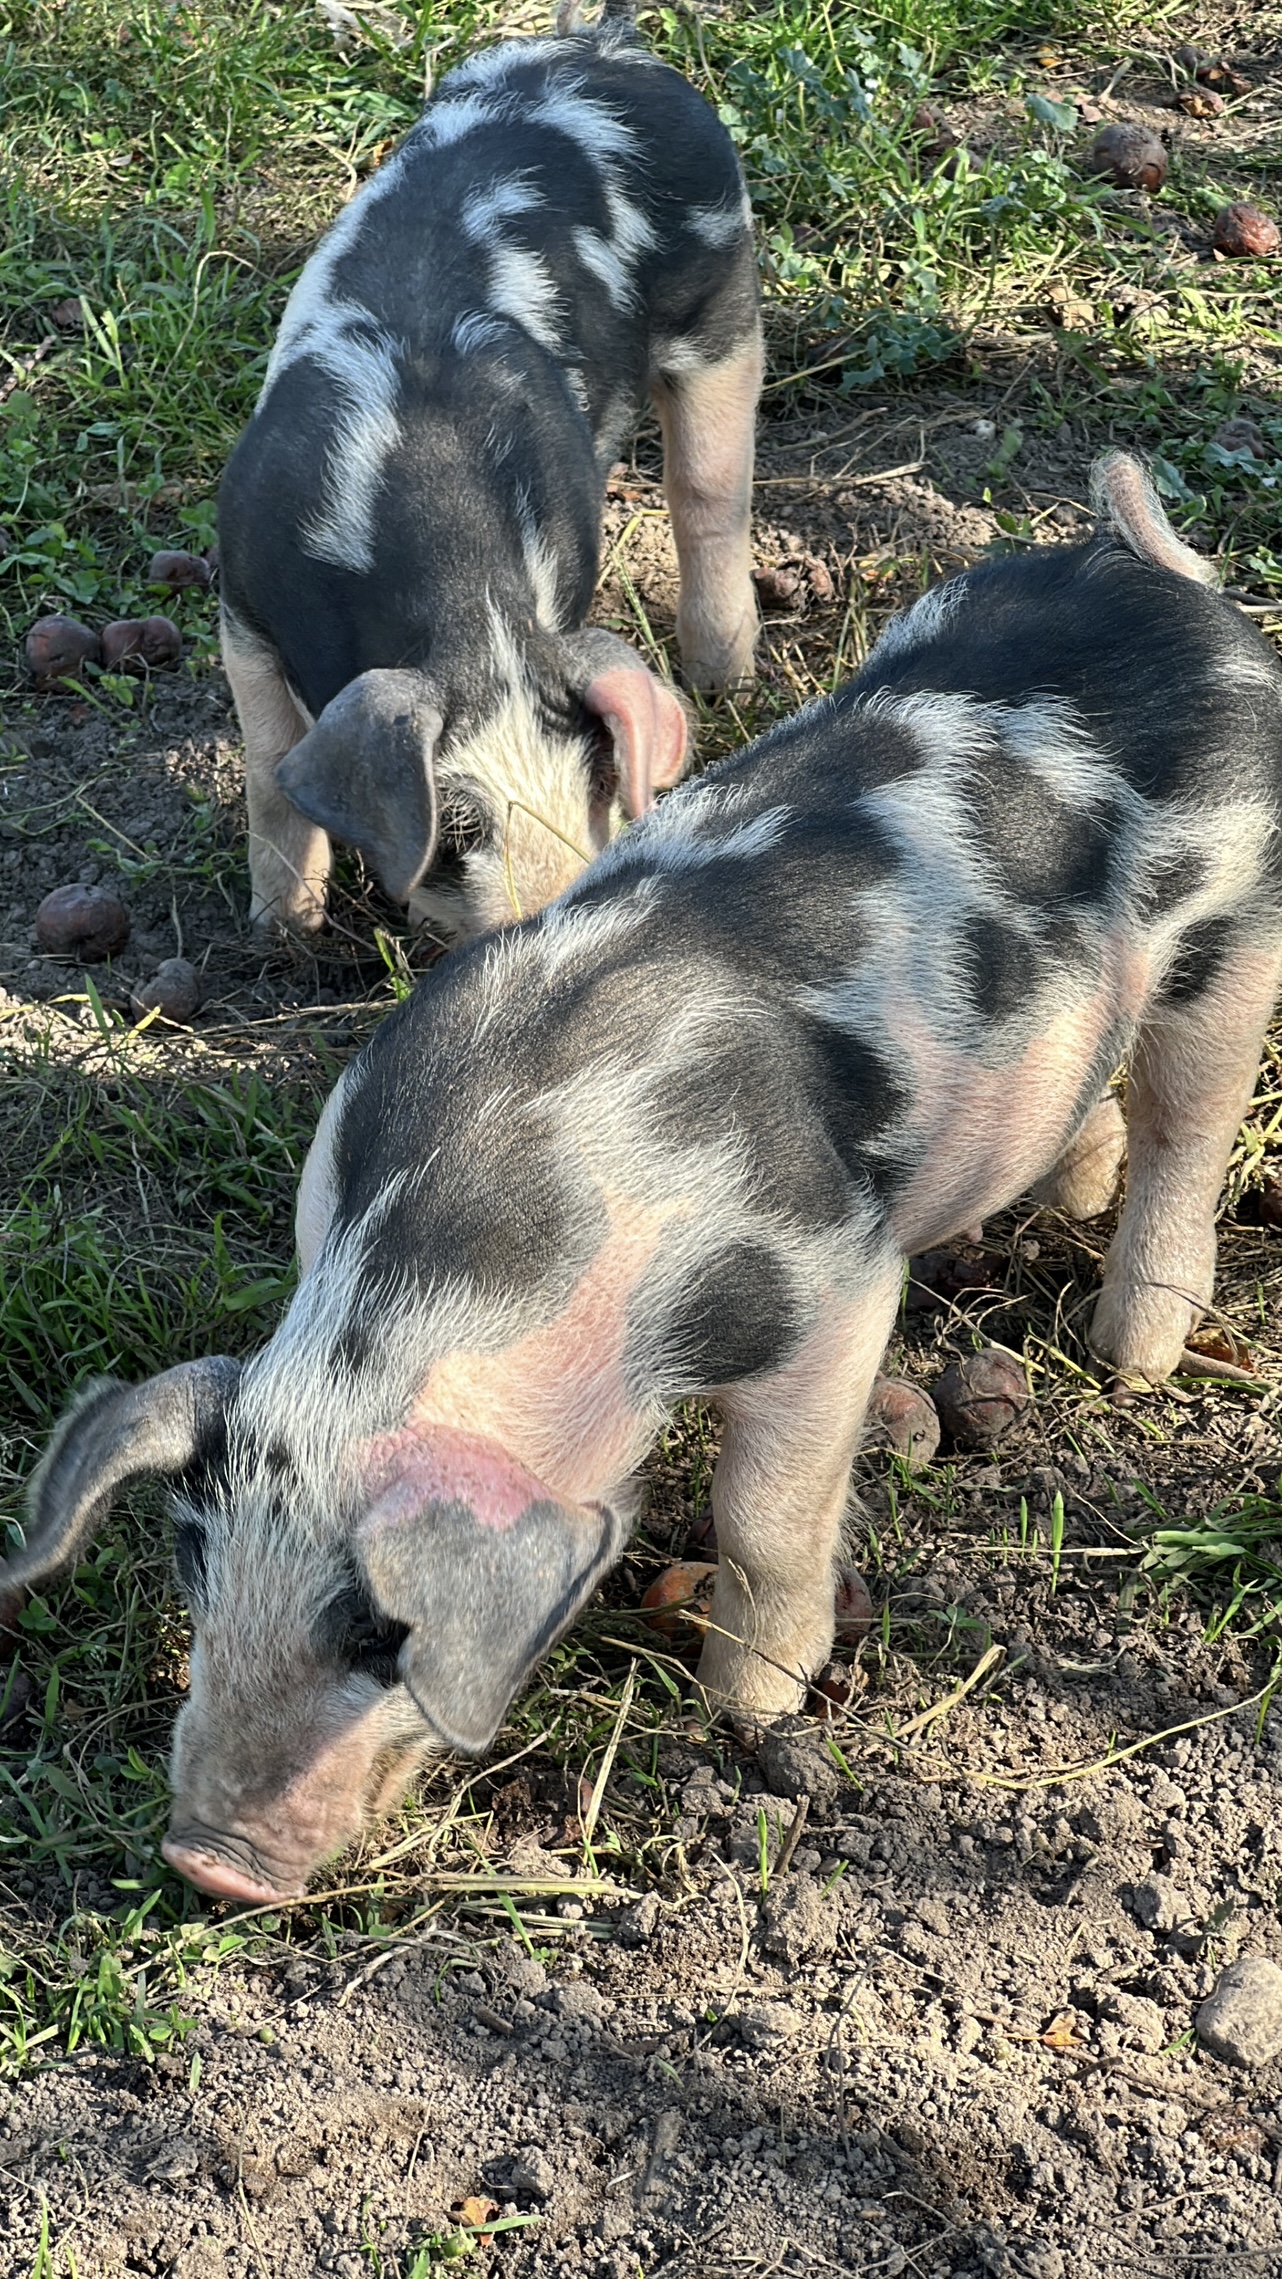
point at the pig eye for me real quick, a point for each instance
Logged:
(359, 1636)
(465, 826)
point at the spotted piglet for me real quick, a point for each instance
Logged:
(855, 989)
(410, 525)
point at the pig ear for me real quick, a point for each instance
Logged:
(367, 774)
(482, 1595)
(647, 724)
(110, 1434)
(645, 716)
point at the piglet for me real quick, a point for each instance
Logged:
(410, 525)
(855, 989)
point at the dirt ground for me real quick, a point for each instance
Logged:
(954, 2036)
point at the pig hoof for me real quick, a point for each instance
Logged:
(279, 925)
(717, 667)
(1143, 1339)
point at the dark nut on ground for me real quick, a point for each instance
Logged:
(938, 134)
(981, 1397)
(701, 1540)
(902, 1417)
(851, 1606)
(1242, 434)
(678, 1602)
(17, 1693)
(1244, 233)
(82, 922)
(834, 1688)
(173, 992)
(177, 570)
(1222, 75)
(1128, 156)
(1200, 103)
(779, 588)
(141, 643)
(59, 645)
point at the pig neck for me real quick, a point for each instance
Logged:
(557, 1397)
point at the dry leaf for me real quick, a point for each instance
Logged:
(1062, 2034)
(476, 2213)
(1221, 1345)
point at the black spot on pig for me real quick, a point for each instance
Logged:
(1000, 964)
(1201, 953)
(1170, 880)
(862, 1100)
(736, 1319)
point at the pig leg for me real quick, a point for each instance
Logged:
(779, 1496)
(708, 419)
(1084, 1181)
(288, 856)
(1190, 1083)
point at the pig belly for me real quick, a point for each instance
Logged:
(990, 1133)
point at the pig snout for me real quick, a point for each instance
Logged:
(207, 1858)
(257, 1812)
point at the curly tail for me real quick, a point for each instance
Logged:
(1127, 505)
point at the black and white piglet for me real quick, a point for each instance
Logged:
(410, 524)
(855, 989)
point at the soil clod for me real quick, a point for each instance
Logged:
(1241, 2020)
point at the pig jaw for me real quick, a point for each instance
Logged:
(255, 1816)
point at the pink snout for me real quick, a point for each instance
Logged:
(217, 1876)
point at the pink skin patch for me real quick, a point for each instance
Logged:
(992, 1131)
(407, 1469)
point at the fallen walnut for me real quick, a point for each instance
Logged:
(143, 643)
(82, 922)
(1222, 75)
(1200, 103)
(57, 646)
(778, 588)
(176, 570)
(1241, 434)
(680, 1599)
(851, 1606)
(173, 992)
(939, 132)
(834, 1688)
(903, 1418)
(981, 1397)
(701, 1538)
(1129, 156)
(1244, 233)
